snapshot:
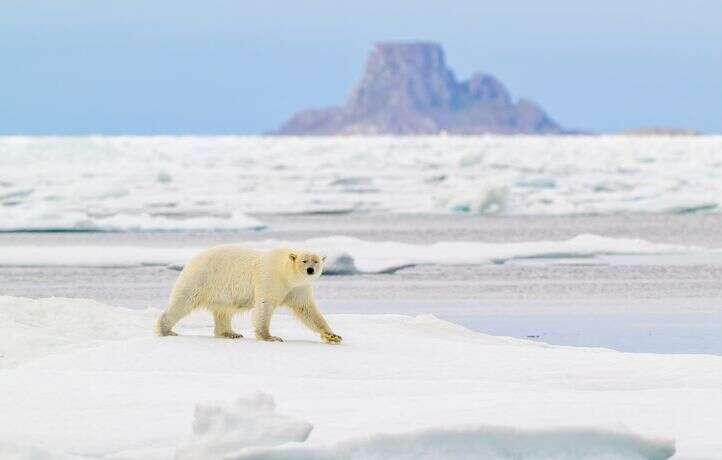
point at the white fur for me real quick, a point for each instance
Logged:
(230, 279)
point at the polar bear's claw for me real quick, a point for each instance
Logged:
(330, 337)
(269, 338)
(231, 335)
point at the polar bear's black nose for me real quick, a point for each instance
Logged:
(309, 270)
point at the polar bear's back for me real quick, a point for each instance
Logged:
(219, 275)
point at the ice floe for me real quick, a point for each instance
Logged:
(398, 387)
(347, 255)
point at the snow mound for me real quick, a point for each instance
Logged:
(483, 442)
(349, 256)
(34, 328)
(219, 430)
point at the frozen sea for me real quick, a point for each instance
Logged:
(611, 242)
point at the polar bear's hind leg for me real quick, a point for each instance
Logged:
(223, 325)
(169, 318)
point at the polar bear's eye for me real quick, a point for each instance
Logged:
(305, 261)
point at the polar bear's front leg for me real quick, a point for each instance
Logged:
(262, 313)
(301, 303)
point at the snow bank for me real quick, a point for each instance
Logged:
(348, 255)
(219, 430)
(481, 442)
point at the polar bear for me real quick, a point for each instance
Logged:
(230, 279)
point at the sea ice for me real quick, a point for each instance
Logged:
(230, 177)
(346, 255)
(107, 387)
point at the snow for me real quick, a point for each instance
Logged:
(347, 255)
(90, 380)
(212, 183)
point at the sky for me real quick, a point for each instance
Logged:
(235, 67)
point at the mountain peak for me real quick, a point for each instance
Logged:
(403, 76)
(407, 88)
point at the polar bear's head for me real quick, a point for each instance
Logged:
(308, 265)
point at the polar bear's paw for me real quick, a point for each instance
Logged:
(231, 335)
(269, 338)
(330, 337)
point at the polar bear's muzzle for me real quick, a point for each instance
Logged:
(310, 270)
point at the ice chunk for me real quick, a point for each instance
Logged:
(351, 181)
(471, 159)
(537, 182)
(163, 177)
(340, 264)
(219, 430)
(487, 199)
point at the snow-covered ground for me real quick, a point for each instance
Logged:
(90, 380)
(176, 183)
(583, 240)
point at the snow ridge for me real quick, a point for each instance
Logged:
(482, 441)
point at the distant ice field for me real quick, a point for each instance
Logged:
(214, 183)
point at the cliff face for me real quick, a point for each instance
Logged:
(407, 89)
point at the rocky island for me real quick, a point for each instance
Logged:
(407, 88)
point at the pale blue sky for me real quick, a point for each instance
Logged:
(213, 66)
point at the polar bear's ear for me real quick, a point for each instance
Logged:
(323, 258)
(292, 256)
